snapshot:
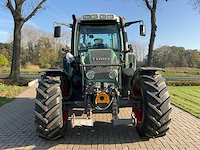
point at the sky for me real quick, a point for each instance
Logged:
(178, 23)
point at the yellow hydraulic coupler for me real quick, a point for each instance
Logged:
(102, 98)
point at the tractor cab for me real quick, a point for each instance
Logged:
(100, 46)
(102, 32)
(99, 32)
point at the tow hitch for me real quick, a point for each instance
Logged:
(132, 121)
(81, 122)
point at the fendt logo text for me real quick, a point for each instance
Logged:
(101, 58)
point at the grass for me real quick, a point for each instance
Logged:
(8, 92)
(186, 98)
(29, 70)
(181, 72)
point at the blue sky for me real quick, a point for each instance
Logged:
(178, 24)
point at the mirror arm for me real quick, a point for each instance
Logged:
(63, 23)
(66, 50)
(127, 51)
(133, 22)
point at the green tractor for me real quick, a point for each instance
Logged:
(99, 75)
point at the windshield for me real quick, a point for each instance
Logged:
(101, 36)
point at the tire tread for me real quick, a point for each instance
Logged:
(48, 108)
(157, 105)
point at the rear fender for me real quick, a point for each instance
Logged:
(66, 80)
(147, 70)
(144, 71)
(56, 72)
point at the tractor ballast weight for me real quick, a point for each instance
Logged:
(99, 75)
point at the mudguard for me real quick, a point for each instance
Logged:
(143, 71)
(65, 79)
(147, 69)
(56, 72)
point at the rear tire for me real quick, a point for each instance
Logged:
(49, 113)
(153, 113)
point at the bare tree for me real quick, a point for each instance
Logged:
(41, 48)
(152, 7)
(139, 49)
(29, 38)
(19, 20)
(195, 4)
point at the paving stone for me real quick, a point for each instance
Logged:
(17, 131)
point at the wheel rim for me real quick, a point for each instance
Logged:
(64, 91)
(65, 116)
(65, 112)
(138, 113)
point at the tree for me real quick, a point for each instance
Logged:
(19, 20)
(140, 52)
(6, 50)
(173, 56)
(194, 58)
(41, 48)
(195, 4)
(30, 36)
(3, 60)
(152, 6)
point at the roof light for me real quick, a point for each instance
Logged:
(98, 17)
(86, 17)
(110, 16)
(102, 16)
(94, 16)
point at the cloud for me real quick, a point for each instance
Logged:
(6, 23)
(31, 23)
(4, 36)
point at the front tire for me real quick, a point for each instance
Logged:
(153, 112)
(49, 114)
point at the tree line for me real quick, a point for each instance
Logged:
(42, 49)
(173, 56)
(38, 48)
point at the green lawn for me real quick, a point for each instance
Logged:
(6, 70)
(8, 92)
(186, 98)
(181, 72)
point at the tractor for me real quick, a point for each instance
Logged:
(99, 75)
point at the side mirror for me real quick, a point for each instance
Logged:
(142, 30)
(57, 31)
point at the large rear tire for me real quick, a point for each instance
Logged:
(153, 112)
(50, 118)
